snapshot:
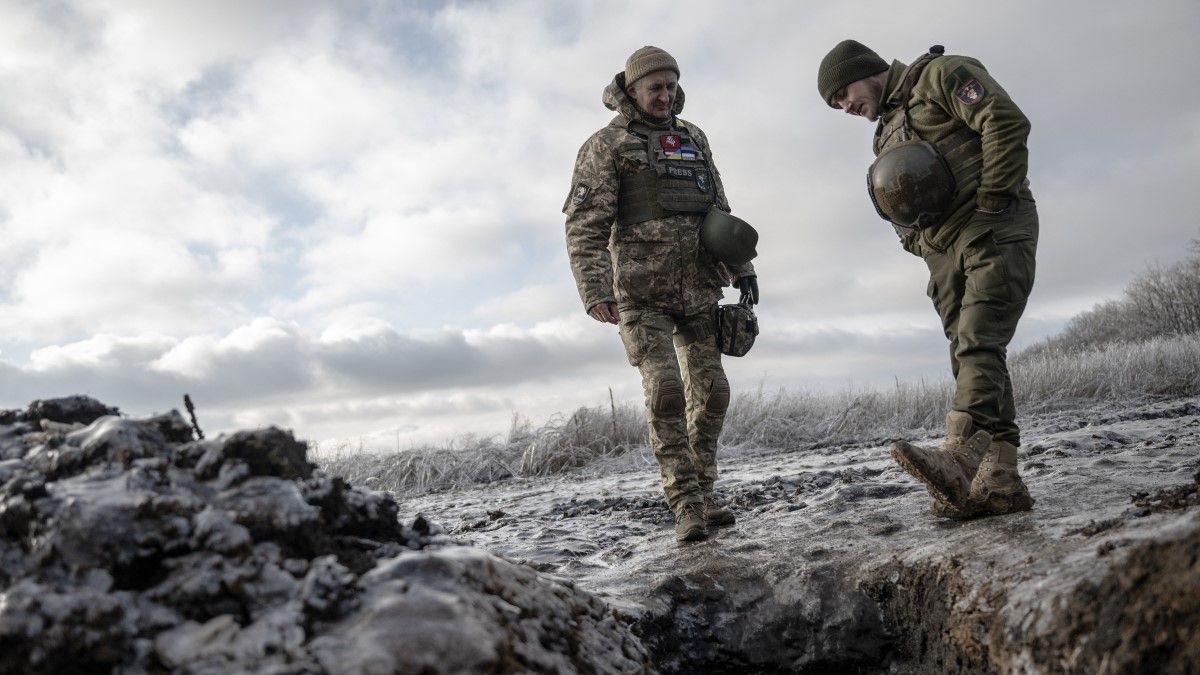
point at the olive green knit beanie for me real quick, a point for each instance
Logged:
(849, 61)
(647, 60)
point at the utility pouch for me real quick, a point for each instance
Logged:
(736, 327)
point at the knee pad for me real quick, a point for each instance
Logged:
(668, 399)
(718, 396)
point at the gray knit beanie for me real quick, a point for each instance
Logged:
(849, 61)
(647, 60)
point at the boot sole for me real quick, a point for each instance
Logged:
(911, 468)
(721, 522)
(694, 534)
(972, 510)
(1015, 503)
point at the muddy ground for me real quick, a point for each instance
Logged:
(836, 564)
(127, 545)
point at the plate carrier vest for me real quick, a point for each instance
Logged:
(678, 179)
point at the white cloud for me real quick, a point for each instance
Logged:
(101, 353)
(347, 216)
(530, 303)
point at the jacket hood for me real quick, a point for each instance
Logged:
(617, 100)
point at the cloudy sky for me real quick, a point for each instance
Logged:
(344, 217)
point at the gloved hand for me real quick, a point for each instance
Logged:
(749, 288)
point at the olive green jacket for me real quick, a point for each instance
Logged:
(957, 91)
(657, 263)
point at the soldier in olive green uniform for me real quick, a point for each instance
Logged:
(639, 193)
(950, 174)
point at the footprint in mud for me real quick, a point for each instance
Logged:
(643, 508)
(549, 534)
(779, 493)
(577, 548)
(618, 552)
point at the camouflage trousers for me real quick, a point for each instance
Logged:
(686, 396)
(980, 285)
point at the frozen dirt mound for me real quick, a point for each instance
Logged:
(125, 545)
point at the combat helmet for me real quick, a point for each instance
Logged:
(911, 184)
(728, 238)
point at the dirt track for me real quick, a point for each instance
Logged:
(836, 562)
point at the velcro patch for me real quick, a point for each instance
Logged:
(684, 172)
(971, 92)
(580, 194)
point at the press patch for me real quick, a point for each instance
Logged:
(681, 172)
(971, 92)
(580, 194)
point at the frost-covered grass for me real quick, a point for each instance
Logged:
(601, 438)
(559, 445)
(1160, 366)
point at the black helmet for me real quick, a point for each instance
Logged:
(729, 238)
(911, 184)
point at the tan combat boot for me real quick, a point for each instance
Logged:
(947, 471)
(715, 514)
(997, 488)
(689, 522)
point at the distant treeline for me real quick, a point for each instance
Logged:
(1162, 301)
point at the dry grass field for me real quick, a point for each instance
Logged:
(610, 436)
(1145, 344)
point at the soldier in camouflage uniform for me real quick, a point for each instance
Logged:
(979, 246)
(641, 188)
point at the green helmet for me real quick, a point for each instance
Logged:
(911, 184)
(729, 238)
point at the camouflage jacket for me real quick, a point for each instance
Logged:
(953, 92)
(657, 263)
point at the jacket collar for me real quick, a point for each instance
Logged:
(891, 89)
(615, 98)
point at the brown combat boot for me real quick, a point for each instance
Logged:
(689, 522)
(947, 471)
(997, 488)
(715, 514)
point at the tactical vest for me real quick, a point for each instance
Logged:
(678, 179)
(962, 149)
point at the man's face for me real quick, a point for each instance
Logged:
(861, 97)
(655, 93)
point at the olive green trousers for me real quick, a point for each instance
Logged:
(687, 395)
(979, 285)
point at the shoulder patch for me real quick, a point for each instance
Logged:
(579, 194)
(971, 92)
